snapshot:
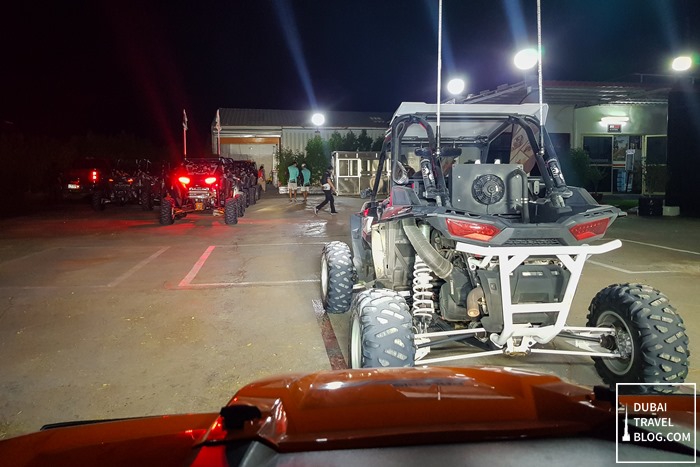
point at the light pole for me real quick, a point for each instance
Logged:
(218, 133)
(184, 133)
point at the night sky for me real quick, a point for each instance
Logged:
(132, 66)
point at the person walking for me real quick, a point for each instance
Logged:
(306, 181)
(261, 177)
(328, 190)
(292, 184)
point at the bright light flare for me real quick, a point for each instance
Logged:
(456, 86)
(210, 180)
(184, 180)
(682, 63)
(318, 119)
(526, 59)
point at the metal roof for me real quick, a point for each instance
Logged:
(576, 93)
(301, 118)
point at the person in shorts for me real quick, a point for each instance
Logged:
(306, 181)
(292, 184)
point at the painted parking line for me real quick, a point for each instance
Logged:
(330, 341)
(141, 264)
(29, 255)
(124, 276)
(196, 268)
(250, 245)
(226, 285)
(186, 282)
(652, 245)
(626, 271)
(663, 247)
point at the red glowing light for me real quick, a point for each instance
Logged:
(590, 229)
(472, 230)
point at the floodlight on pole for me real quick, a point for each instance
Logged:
(456, 86)
(318, 119)
(682, 63)
(526, 59)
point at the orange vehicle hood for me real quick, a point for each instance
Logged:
(336, 410)
(357, 408)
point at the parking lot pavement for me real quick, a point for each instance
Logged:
(110, 315)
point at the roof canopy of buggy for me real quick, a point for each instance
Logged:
(408, 108)
(465, 121)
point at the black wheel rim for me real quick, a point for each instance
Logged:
(623, 338)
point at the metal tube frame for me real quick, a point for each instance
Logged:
(509, 258)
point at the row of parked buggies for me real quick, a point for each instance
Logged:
(219, 186)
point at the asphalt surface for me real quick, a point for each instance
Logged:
(109, 314)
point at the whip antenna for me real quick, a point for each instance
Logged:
(539, 72)
(439, 75)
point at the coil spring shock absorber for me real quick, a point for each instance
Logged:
(423, 305)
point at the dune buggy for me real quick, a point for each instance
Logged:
(246, 172)
(83, 176)
(481, 242)
(129, 182)
(202, 185)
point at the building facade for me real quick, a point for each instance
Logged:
(622, 126)
(258, 134)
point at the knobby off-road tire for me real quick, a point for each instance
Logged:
(252, 195)
(146, 199)
(231, 211)
(240, 202)
(96, 201)
(648, 329)
(337, 277)
(167, 211)
(381, 333)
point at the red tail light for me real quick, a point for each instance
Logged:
(590, 229)
(184, 180)
(472, 230)
(94, 175)
(210, 180)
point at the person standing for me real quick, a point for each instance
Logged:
(328, 190)
(292, 184)
(261, 177)
(306, 181)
